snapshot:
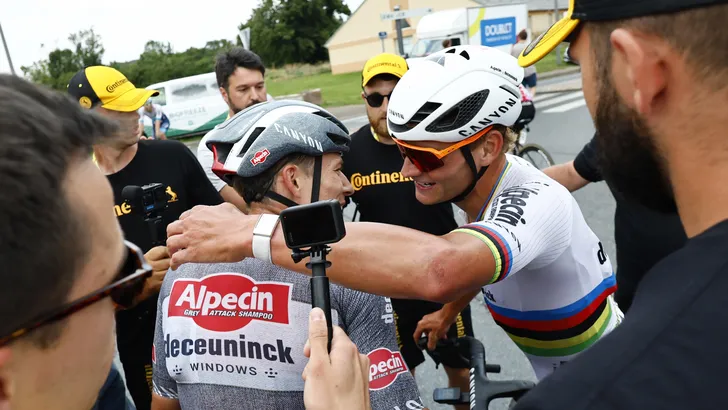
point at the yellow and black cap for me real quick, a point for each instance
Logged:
(601, 10)
(384, 63)
(107, 87)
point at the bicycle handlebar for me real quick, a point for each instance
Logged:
(482, 390)
(422, 344)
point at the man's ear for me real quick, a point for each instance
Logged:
(363, 96)
(489, 147)
(224, 94)
(639, 70)
(6, 385)
(289, 179)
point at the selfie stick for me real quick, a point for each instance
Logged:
(320, 297)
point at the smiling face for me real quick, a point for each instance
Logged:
(455, 175)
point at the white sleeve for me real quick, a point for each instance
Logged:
(157, 112)
(528, 225)
(205, 157)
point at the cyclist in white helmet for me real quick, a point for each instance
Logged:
(546, 278)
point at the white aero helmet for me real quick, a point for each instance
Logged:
(455, 93)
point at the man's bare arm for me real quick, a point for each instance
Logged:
(161, 403)
(401, 262)
(375, 258)
(566, 175)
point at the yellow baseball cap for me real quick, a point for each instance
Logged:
(549, 39)
(385, 63)
(106, 86)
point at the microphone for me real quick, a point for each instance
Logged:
(133, 194)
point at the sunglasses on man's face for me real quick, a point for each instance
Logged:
(125, 287)
(429, 159)
(375, 100)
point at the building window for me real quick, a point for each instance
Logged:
(407, 44)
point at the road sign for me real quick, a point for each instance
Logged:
(382, 35)
(403, 14)
(245, 37)
(498, 32)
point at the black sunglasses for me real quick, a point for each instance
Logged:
(125, 287)
(375, 100)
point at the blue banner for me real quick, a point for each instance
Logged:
(498, 32)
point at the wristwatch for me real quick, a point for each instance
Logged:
(262, 233)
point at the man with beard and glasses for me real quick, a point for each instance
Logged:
(643, 236)
(241, 78)
(544, 274)
(127, 160)
(654, 80)
(382, 195)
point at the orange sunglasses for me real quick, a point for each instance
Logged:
(429, 159)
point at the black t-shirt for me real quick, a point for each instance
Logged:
(643, 237)
(384, 195)
(670, 350)
(172, 164)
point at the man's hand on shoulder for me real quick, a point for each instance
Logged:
(206, 234)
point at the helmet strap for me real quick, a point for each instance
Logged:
(476, 174)
(316, 185)
(280, 198)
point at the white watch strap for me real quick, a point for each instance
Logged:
(262, 233)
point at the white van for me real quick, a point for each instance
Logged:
(192, 104)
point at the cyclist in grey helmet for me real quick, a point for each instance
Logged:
(232, 335)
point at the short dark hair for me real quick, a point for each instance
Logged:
(705, 48)
(43, 239)
(523, 34)
(227, 62)
(253, 189)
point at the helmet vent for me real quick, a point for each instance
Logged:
(460, 114)
(251, 139)
(465, 55)
(421, 114)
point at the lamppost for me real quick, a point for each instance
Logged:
(7, 51)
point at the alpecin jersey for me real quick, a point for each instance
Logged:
(231, 336)
(553, 282)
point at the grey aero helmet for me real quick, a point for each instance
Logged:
(256, 138)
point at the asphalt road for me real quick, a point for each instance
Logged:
(562, 126)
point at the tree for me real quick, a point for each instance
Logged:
(157, 47)
(160, 63)
(294, 31)
(62, 64)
